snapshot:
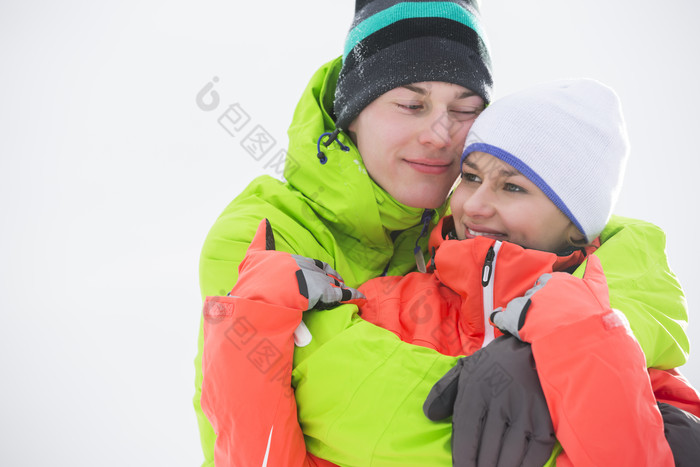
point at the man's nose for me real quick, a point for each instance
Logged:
(437, 130)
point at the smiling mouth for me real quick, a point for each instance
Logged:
(429, 166)
(474, 233)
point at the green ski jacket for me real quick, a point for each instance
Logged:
(334, 212)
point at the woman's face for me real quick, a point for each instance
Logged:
(411, 139)
(494, 200)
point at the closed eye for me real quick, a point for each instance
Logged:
(410, 107)
(465, 114)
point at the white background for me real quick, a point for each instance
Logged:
(111, 175)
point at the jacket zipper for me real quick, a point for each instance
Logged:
(487, 274)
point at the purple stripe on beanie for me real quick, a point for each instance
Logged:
(524, 169)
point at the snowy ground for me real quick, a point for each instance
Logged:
(111, 175)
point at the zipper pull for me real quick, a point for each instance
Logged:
(425, 220)
(488, 267)
(420, 260)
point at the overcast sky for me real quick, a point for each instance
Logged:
(111, 175)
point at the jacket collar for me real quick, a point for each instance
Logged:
(565, 261)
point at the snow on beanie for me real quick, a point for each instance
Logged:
(392, 43)
(569, 138)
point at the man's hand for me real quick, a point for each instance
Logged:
(682, 430)
(499, 414)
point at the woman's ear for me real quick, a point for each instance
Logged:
(574, 237)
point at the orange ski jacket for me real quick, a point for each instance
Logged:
(592, 370)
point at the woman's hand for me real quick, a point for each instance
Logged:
(293, 281)
(557, 300)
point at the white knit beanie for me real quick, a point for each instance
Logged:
(568, 138)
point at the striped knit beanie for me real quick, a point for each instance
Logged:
(568, 138)
(394, 43)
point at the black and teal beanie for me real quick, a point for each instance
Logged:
(392, 43)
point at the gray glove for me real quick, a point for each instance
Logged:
(499, 413)
(682, 430)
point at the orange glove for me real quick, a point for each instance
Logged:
(293, 281)
(558, 299)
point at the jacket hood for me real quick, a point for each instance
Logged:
(340, 191)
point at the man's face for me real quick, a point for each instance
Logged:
(494, 200)
(411, 139)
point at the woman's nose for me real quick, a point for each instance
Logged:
(480, 203)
